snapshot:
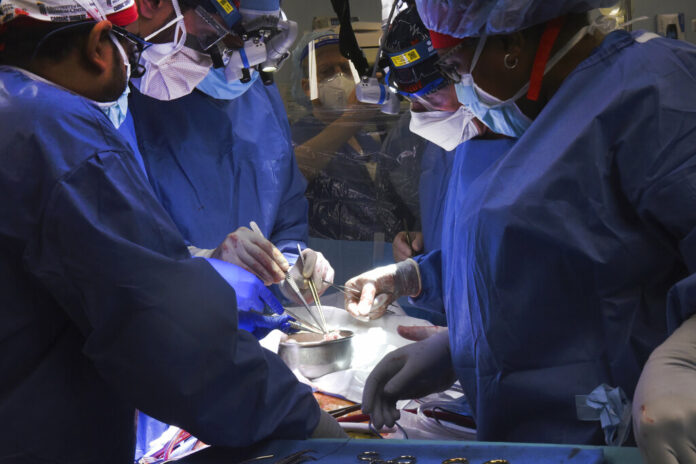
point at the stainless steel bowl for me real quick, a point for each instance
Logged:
(314, 356)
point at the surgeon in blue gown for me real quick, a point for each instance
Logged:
(219, 158)
(556, 264)
(218, 164)
(103, 309)
(436, 129)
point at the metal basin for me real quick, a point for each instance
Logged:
(314, 357)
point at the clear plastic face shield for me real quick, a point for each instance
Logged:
(243, 40)
(330, 78)
(239, 40)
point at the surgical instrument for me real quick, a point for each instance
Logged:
(315, 294)
(408, 238)
(291, 283)
(373, 457)
(297, 457)
(302, 322)
(298, 325)
(335, 413)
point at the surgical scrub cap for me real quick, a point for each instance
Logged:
(119, 12)
(473, 18)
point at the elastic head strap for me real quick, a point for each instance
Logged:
(94, 9)
(548, 39)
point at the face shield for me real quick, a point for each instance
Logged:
(241, 40)
(330, 78)
(211, 26)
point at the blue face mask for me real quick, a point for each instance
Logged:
(504, 118)
(215, 84)
(117, 110)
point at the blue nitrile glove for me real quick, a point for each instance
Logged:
(251, 293)
(259, 325)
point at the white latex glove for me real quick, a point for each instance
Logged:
(419, 332)
(412, 371)
(400, 247)
(316, 268)
(389, 282)
(664, 404)
(249, 250)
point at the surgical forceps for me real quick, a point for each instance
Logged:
(315, 294)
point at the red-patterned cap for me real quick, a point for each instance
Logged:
(443, 40)
(119, 12)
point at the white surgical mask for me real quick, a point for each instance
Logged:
(335, 91)
(117, 110)
(171, 74)
(447, 129)
(171, 69)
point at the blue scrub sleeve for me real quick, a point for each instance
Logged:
(657, 169)
(161, 328)
(291, 224)
(430, 268)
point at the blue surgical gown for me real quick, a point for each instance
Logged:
(455, 170)
(217, 165)
(557, 262)
(436, 166)
(101, 308)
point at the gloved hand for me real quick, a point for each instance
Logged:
(253, 252)
(419, 332)
(664, 404)
(252, 294)
(259, 325)
(400, 247)
(411, 371)
(389, 282)
(328, 427)
(316, 267)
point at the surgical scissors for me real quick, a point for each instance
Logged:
(373, 457)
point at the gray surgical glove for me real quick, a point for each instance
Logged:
(369, 294)
(328, 427)
(412, 371)
(664, 404)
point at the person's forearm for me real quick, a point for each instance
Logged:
(315, 154)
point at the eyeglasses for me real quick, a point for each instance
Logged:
(136, 46)
(450, 67)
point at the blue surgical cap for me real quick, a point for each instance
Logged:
(473, 18)
(260, 5)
